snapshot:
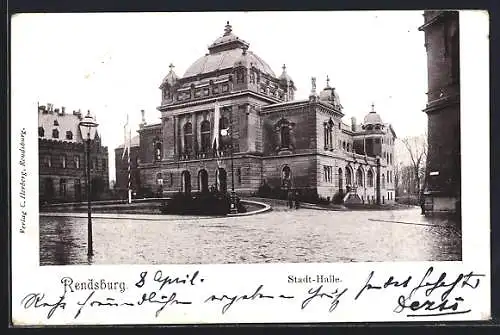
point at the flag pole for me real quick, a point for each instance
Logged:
(129, 177)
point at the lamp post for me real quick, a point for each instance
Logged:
(88, 130)
(232, 209)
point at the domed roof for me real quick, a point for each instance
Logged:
(372, 117)
(224, 53)
(329, 94)
(171, 77)
(285, 77)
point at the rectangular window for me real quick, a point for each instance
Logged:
(77, 162)
(63, 161)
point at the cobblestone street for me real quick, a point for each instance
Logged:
(282, 235)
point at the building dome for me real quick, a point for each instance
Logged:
(372, 118)
(224, 52)
(285, 77)
(171, 78)
(329, 94)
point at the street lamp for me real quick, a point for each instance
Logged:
(224, 132)
(88, 129)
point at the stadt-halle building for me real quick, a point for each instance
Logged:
(274, 139)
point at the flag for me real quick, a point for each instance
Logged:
(127, 139)
(215, 138)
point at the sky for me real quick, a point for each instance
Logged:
(113, 63)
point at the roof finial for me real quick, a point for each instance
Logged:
(313, 82)
(227, 29)
(284, 67)
(327, 81)
(171, 66)
(373, 107)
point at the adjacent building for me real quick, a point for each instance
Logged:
(442, 42)
(265, 137)
(62, 159)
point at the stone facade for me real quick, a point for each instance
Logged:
(262, 136)
(62, 158)
(442, 187)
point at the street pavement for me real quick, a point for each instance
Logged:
(281, 235)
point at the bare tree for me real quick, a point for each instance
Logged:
(417, 150)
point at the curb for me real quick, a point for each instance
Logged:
(157, 217)
(259, 211)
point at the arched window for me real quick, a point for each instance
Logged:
(203, 180)
(348, 147)
(359, 177)
(41, 132)
(343, 145)
(348, 177)
(388, 174)
(383, 180)
(369, 176)
(285, 136)
(69, 135)
(186, 182)
(157, 150)
(77, 162)
(188, 137)
(55, 133)
(48, 161)
(205, 136)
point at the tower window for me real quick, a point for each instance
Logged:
(69, 135)
(285, 137)
(55, 133)
(205, 136)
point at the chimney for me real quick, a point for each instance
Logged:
(63, 110)
(143, 118)
(354, 126)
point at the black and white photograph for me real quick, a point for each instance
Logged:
(217, 143)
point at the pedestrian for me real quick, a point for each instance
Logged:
(296, 196)
(422, 204)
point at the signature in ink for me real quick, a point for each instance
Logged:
(233, 299)
(37, 300)
(317, 293)
(442, 305)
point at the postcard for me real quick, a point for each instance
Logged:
(250, 167)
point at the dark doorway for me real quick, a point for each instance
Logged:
(203, 181)
(186, 182)
(221, 177)
(49, 189)
(78, 190)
